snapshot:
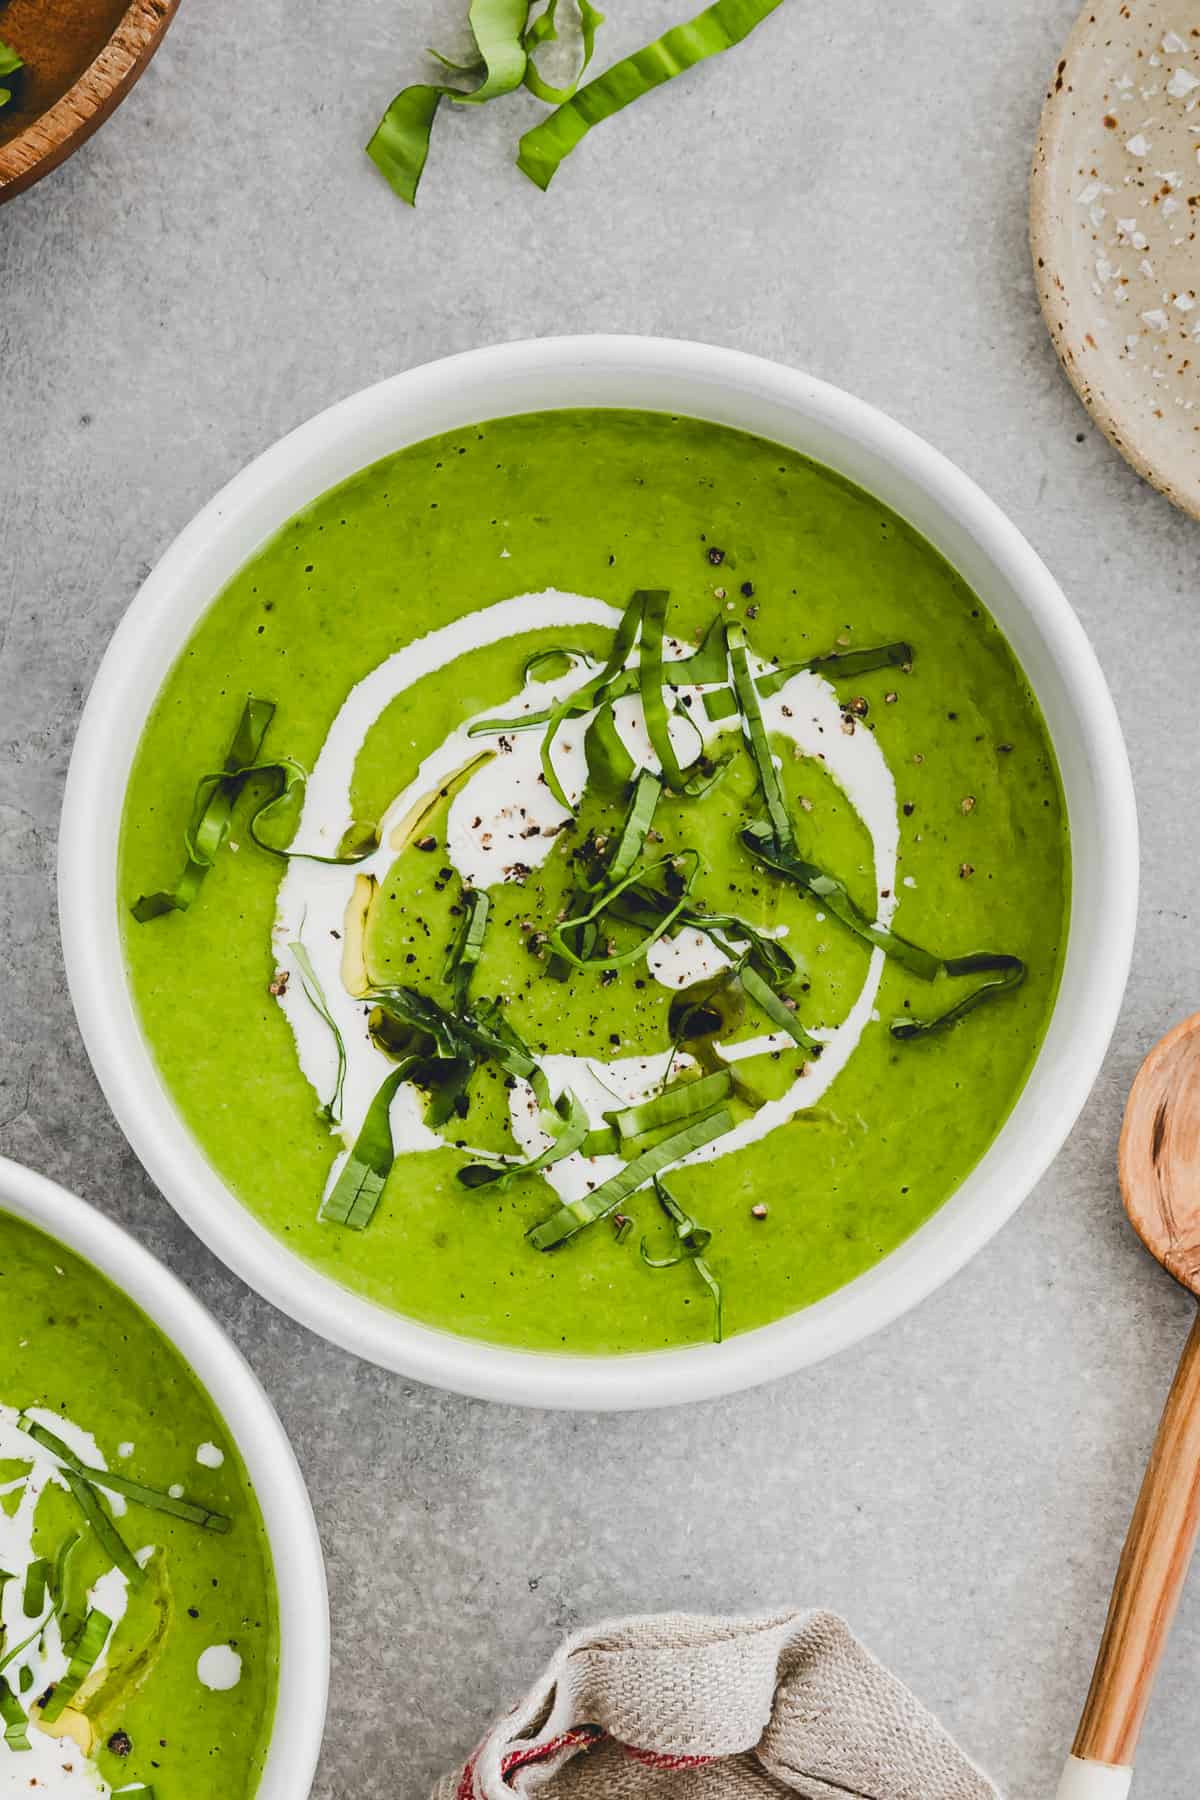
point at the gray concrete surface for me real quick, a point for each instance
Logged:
(846, 193)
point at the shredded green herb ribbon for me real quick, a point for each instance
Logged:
(487, 1033)
(575, 1215)
(37, 1580)
(12, 1716)
(212, 814)
(651, 677)
(70, 1622)
(835, 897)
(1008, 971)
(693, 1240)
(839, 664)
(593, 693)
(314, 993)
(834, 665)
(100, 1520)
(436, 1049)
(781, 1014)
(84, 1658)
(553, 663)
(609, 764)
(685, 859)
(755, 733)
(498, 27)
(568, 1132)
(467, 950)
(734, 936)
(668, 1109)
(10, 1656)
(399, 147)
(152, 1498)
(631, 839)
(359, 1187)
(544, 30)
(719, 27)
(211, 819)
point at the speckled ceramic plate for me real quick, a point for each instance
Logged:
(1115, 225)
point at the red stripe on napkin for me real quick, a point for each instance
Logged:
(582, 1737)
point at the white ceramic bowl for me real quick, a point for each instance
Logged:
(264, 1448)
(731, 389)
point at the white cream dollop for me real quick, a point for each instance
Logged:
(219, 1668)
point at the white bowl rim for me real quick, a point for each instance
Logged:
(265, 491)
(253, 1424)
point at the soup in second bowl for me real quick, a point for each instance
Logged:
(138, 1633)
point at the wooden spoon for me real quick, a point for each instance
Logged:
(1159, 1166)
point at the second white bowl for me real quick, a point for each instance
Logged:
(244, 1409)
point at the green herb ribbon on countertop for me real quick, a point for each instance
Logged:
(544, 30)
(400, 144)
(507, 40)
(719, 27)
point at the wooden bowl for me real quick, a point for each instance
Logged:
(82, 57)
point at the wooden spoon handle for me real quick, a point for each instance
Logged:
(1150, 1577)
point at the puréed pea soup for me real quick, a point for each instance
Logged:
(138, 1620)
(595, 880)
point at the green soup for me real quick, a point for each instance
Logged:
(766, 902)
(138, 1638)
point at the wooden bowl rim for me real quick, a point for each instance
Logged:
(49, 139)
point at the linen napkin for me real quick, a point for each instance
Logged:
(676, 1707)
